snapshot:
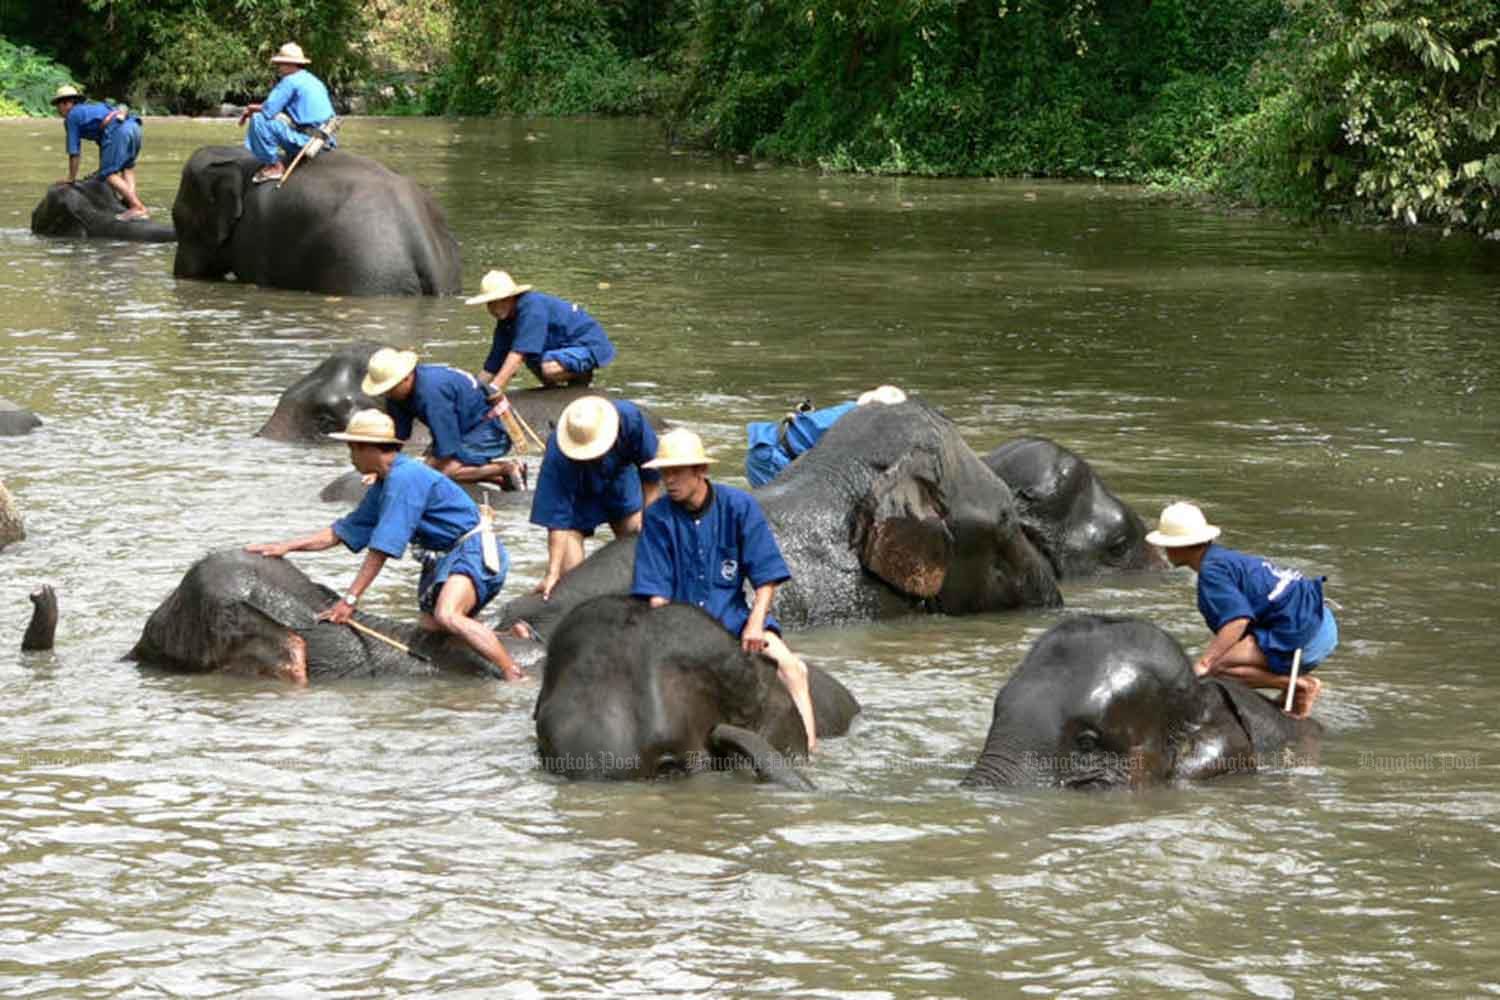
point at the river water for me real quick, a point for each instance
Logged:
(1331, 402)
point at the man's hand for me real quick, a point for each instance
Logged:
(514, 674)
(1201, 667)
(273, 549)
(753, 639)
(338, 613)
(545, 586)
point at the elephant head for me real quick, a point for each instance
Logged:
(1104, 702)
(321, 401)
(15, 421)
(893, 510)
(88, 208)
(210, 200)
(1068, 512)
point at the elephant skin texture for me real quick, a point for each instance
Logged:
(636, 692)
(43, 628)
(88, 208)
(11, 527)
(350, 488)
(322, 401)
(342, 225)
(1069, 514)
(1112, 703)
(891, 513)
(256, 616)
(15, 421)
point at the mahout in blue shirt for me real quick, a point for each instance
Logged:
(302, 96)
(770, 452)
(705, 559)
(543, 324)
(579, 496)
(456, 410)
(1284, 607)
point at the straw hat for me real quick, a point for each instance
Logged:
(369, 427)
(387, 367)
(67, 92)
(496, 285)
(588, 428)
(887, 394)
(1182, 524)
(678, 448)
(291, 52)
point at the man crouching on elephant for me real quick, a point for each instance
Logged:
(411, 503)
(297, 108)
(701, 548)
(467, 439)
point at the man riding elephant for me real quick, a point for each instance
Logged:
(773, 445)
(297, 110)
(464, 565)
(118, 133)
(560, 342)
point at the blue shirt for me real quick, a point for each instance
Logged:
(605, 486)
(413, 503)
(85, 121)
(1285, 608)
(706, 559)
(769, 454)
(542, 323)
(302, 96)
(451, 404)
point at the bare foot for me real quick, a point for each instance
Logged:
(271, 173)
(133, 215)
(522, 631)
(1308, 691)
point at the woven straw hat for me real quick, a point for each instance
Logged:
(588, 428)
(291, 52)
(496, 285)
(888, 394)
(369, 427)
(387, 367)
(677, 448)
(1182, 524)
(67, 92)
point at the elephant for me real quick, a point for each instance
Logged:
(350, 488)
(12, 528)
(1069, 514)
(321, 401)
(1108, 702)
(256, 616)
(891, 513)
(43, 628)
(15, 421)
(88, 208)
(343, 224)
(633, 692)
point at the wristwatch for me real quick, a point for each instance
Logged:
(351, 598)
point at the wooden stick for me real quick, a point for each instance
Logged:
(541, 445)
(298, 159)
(367, 630)
(1291, 689)
(508, 418)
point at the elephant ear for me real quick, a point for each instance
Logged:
(225, 181)
(900, 531)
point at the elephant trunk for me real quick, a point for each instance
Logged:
(1001, 767)
(39, 634)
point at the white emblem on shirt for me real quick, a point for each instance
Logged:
(727, 570)
(1284, 579)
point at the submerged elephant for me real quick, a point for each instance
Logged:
(891, 513)
(256, 616)
(633, 691)
(12, 529)
(1069, 513)
(1113, 703)
(321, 401)
(15, 421)
(343, 224)
(88, 208)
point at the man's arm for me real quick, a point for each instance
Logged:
(316, 542)
(1223, 641)
(343, 609)
(499, 380)
(649, 492)
(753, 636)
(564, 552)
(250, 109)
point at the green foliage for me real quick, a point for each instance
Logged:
(1382, 106)
(28, 80)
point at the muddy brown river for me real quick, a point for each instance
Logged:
(1332, 403)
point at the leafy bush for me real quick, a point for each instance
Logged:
(28, 80)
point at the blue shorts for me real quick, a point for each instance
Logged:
(120, 146)
(467, 559)
(575, 359)
(484, 444)
(1314, 652)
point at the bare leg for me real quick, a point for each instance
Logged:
(793, 674)
(555, 374)
(126, 191)
(628, 525)
(1247, 664)
(455, 601)
(491, 472)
